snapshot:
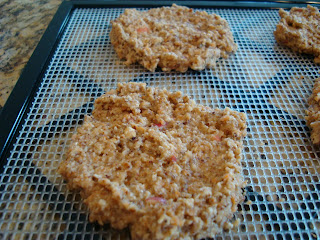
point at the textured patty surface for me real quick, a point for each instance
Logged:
(299, 30)
(159, 163)
(313, 112)
(172, 38)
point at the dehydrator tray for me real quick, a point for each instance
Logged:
(75, 63)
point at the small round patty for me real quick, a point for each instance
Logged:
(159, 163)
(172, 38)
(299, 30)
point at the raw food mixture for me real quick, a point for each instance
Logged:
(313, 112)
(172, 38)
(299, 30)
(159, 163)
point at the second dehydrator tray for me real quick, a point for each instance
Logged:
(268, 82)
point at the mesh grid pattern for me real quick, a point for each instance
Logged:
(269, 83)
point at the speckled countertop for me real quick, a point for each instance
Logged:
(22, 23)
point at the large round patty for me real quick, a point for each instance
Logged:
(158, 162)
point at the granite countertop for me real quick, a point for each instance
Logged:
(22, 23)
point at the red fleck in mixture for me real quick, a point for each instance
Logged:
(181, 181)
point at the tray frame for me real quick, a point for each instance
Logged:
(23, 93)
(16, 108)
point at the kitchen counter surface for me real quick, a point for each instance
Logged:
(22, 24)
